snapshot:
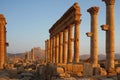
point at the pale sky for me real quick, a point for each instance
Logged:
(28, 22)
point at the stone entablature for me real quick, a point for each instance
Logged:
(71, 16)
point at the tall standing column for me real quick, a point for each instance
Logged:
(76, 42)
(70, 50)
(60, 47)
(110, 42)
(2, 40)
(56, 49)
(94, 37)
(65, 46)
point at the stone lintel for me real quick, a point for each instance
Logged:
(93, 10)
(89, 34)
(105, 27)
(109, 2)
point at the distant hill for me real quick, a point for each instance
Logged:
(37, 50)
(100, 56)
(41, 54)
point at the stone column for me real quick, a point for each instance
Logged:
(65, 46)
(94, 37)
(32, 54)
(2, 40)
(70, 46)
(53, 49)
(110, 42)
(76, 42)
(46, 51)
(60, 47)
(56, 49)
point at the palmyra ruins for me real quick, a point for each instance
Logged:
(62, 49)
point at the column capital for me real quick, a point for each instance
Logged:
(93, 10)
(109, 2)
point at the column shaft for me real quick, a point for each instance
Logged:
(110, 42)
(70, 46)
(51, 50)
(56, 49)
(94, 38)
(65, 46)
(76, 42)
(60, 47)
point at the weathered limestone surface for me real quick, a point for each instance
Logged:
(94, 35)
(2, 40)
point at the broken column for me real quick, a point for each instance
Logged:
(2, 40)
(110, 32)
(93, 35)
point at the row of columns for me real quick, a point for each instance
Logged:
(109, 28)
(59, 48)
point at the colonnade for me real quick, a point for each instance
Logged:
(59, 48)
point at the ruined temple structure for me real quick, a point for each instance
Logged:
(94, 36)
(110, 34)
(59, 48)
(62, 49)
(3, 43)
